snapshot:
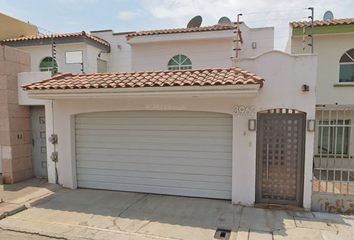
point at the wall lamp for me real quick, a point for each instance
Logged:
(252, 124)
(311, 124)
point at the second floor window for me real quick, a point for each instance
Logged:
(179, 62)
(346, 67)
(46, 65)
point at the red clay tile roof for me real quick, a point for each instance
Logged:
(323, 23)
(65, 35)
(218, 27)
(197, 77)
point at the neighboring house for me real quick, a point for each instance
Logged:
(75, 53)
(15, 154)
(13, 28)
(190, 120)
(333, 183)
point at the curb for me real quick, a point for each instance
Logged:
(12, 211)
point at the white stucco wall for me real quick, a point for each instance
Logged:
(203, 54)
(262, 37)
(284, 75)
(330, 48)
(119, 59)
(212, 49)
(282, 89)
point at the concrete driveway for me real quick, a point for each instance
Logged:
(96, 214)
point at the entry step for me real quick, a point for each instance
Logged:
(279, 207)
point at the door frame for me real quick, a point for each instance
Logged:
(301, 151)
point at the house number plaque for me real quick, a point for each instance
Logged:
(245, 110)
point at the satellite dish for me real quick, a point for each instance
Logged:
(195, 22)
(328, 15)
(224, 20)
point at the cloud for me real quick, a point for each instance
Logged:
(129, 15)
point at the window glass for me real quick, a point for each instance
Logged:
(346, 73)
(179, 62)
(46, 65)
(346, 67)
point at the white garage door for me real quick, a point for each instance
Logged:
(176, 153)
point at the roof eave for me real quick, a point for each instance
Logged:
(65, 40)
(227, 33)
(238, 90)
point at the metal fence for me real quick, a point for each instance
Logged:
(333, 171)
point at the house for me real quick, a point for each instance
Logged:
(333, 181)
(106, 51)
(190, 120)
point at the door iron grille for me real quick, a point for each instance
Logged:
(280, 156)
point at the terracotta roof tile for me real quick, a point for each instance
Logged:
(65, 35)
(323, 23)
(197, 77)
(218, 27)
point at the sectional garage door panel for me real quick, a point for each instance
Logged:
(177, 153)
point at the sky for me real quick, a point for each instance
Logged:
(67, 16)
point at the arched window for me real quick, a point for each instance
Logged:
(179, 62)
(46, 65)
(346, 67)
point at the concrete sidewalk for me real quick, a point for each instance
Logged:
(18, 197)
(96, 214)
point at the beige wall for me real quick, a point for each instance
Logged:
(330, 48)
(13, 28)
(15, 134)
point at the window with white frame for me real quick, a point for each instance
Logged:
(179, 62)
(47, 63)
(346, 67)
(333, 137)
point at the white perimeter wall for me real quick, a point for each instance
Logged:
(282, 89)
